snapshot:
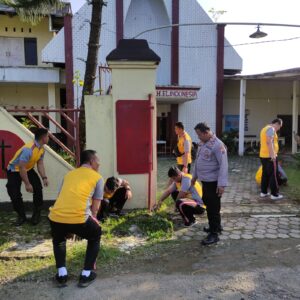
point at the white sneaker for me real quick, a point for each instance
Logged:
(278, 197)
(263, 195)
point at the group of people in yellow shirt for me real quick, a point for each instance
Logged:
(84, 199)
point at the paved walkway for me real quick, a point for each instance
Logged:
(244, 214)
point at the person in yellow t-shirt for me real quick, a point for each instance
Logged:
(187, 197)
(268, 156)
(21, 168)
(75, 211)
(183, 150)
(116, 192)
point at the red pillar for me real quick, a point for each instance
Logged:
(119, 21)
(175, 44)
(220, 78)
(69, 71)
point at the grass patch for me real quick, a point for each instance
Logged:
(39, 269)
(293, 185)
(152, 226)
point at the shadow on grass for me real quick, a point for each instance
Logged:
(140, 222)
(43, 269)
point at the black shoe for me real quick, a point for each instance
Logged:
(21, 219)
(210, 239)
(36, 217)
(190, 223)
(207, 229)
(85, 281)
(61, 281)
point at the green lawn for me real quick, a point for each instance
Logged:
(293, 186)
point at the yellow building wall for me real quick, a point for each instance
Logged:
(130, 81)
(24, 94)
(55, 166)
(40, 32)
(264, 101)
(99, 131)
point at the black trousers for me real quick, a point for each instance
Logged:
(213, 205)
(180, 167)
(13, 186)
(269, 176)
(114, 204)
(188, 208)
(90, 230)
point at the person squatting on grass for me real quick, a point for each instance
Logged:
(21, 168)
(186, 196)
(116, 192)
(211, 168)
(75, 211)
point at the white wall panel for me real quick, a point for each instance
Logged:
(146, 14)
(54, 52)
(197, 66)
(81, 30)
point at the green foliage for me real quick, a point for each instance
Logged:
(292, 189)
(297, 159)
(151, 226)
(33, 11)
(67, 157)
(28, 123)
(229, 139)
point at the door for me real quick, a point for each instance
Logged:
(287, 128)
(133, 136)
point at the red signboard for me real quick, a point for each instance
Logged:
(9, 144)
(133, 136)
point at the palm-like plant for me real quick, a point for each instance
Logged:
(33, 10)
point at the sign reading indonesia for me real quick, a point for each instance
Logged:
(172, 93)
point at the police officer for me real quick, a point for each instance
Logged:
(211, 168)
(183, 149)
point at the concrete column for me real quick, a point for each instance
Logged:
(295, 113)
(52, 104)
(242, 116)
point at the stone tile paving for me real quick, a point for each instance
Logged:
(244, 214)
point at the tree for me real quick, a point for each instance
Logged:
(91, 62)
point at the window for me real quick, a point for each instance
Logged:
(30, 46)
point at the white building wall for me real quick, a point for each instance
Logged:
(81, 31)
(54, 51)
(197, 66)
(146, 14)
(232, 60)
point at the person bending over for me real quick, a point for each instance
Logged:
(187, 197)
(75, 211)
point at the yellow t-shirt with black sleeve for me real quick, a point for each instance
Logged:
(193, 191)
(181, 145)
(79, 187)
(29, 153)
(268, 131)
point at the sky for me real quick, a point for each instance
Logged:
(272, 53)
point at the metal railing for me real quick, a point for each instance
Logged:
(71, 117)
